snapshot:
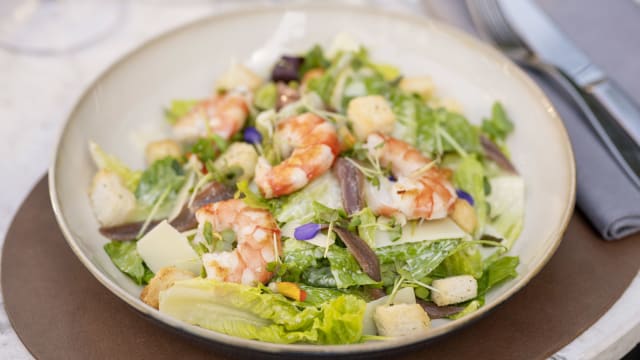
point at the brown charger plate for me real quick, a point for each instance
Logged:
(60, 311)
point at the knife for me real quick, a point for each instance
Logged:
(618, 114)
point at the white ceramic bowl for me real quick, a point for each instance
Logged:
(124, 106)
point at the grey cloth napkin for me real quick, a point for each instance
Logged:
(608, 32)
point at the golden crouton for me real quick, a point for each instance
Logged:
(401, 320)
(164, 279)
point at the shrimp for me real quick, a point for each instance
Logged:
(421, 191)
(311, 142)
(257, 236)
(222, 115)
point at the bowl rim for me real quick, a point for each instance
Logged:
(226, 340)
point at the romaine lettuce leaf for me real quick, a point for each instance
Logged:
(163, 176)
(125, 257)
(320, 295)
(319, 276)
(434, 131)
(299, 207)
(130, 178)
(416, 260)
(323, 86)
(466, 261)
(472, 306)
(367, 225)
(388, 72)
(306, 263)
(460, 129)
(498, 126)
(345, 268)
(314, 58)
(208, 149)
(495, 273)
(250, 313)
(301, 258)
(266, 96)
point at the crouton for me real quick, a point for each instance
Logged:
(157, 150)
(370, 114)
(454, 289)
(111, 201)
(401, 320)
(239, 75)
(164, 279)
(421, 85)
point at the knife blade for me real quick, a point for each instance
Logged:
(615, 110)
(548, 42)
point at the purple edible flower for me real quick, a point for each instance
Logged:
(252, 135)
(307, 231)
(465, 195)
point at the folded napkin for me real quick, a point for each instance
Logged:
(604, 193)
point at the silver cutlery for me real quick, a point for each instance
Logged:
(528, 36)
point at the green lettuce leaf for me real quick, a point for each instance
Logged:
(418, 259)
(466, 261)
(472, 306)
(178, 109)
(164, 175)
(367, 225)
(388, 72)
(319, 295)
(306, 263)
(323, 86)
(319, 276)
(299, 207)
(497, 272)
(345, 269)
(208, 149)
(460, 129)
(250, 313)
(266, 96)
(434, 131)
(125, 257)
(300, 257)
(314, 58)
(407, 108)
(130, 178)
(498, 126)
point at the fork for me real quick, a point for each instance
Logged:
(492, 24)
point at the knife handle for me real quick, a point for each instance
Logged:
(609, 100)
(622, 148)
(618, 117)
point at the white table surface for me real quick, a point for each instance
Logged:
(36, 94)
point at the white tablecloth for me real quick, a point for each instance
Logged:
(36, 94)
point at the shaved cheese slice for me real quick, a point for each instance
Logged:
(165, 246)
(415, 231)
